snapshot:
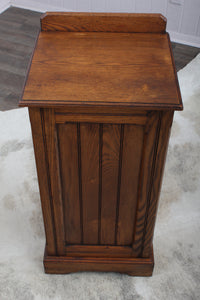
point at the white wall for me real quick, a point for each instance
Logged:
(183, 15)
(4, 4)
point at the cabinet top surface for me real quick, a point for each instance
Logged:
(102, 69)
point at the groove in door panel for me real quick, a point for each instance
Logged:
(68, 150)
(132, 150)
(110, 167)
(89, 134)
(148, 150)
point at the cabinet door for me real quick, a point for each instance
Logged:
(101, 175)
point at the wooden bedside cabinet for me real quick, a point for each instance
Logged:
(101, 92)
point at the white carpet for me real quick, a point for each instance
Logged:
(177, 236)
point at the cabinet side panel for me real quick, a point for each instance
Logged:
(54, 174)
(89, 148)
(132, 150)
(68, 150)
(110, 169)
(163, 139)
(145, 180)
(43, 178)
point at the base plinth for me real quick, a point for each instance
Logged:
(70, 264)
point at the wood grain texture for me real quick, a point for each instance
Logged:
(102, 69)
(38, 135)
(90, 181)
(68, 150)
(131, 266)
(166, 119)
(99, 111)
(101, 118)
(110, 169)
(13, 51)
(132, 151)
(145, 179)
(103, 22)
(98, 251)
(106, 104)
(54, 174)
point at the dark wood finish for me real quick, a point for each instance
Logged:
(141, 69)
(40, 148)
(104, 117)
(162, 139)
(132, 150)
(15, 53)
(104, 143)
(69, 264)
(67, 136)
(100, 250)
(54, 176)
(90, 181)
(111, 153)
(101, 22)
(145, 180)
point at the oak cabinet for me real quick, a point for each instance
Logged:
(101, 92)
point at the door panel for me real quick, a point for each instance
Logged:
(104, 174)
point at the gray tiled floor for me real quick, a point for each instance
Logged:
(18, 31)
(183, 54)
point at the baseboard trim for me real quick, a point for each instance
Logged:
(36, 6)
(127, 265)
(5, 4)
(185, 39)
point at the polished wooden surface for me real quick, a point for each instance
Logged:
(125, 69)
(101, 115)
(101, 22)
(103, 68)
(15, 54)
